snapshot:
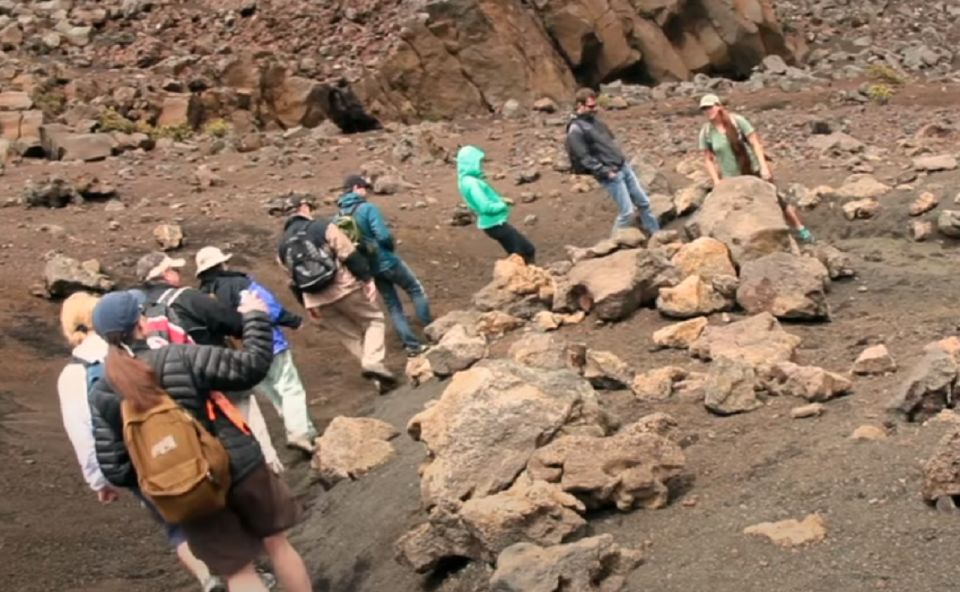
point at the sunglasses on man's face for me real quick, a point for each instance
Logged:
(591, 106)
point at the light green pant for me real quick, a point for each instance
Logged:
(284, 389)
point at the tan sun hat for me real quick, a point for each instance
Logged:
(710, 101)
(210, 257)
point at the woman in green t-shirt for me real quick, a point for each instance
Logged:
(731, 147)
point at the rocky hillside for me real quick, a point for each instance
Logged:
(288, 63)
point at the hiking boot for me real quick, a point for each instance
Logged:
(413, 352)
(213, 584)
(805, 236)
(303, 444)
(379, 372)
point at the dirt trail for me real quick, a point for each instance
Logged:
(757, 467)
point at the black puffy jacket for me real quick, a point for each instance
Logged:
(188, 373)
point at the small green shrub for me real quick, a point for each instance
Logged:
(111, 121)
(50, 100)
(177, 133)
(880, 93)
(217, 128)
(885, 74)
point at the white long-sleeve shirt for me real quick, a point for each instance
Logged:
(75, 410)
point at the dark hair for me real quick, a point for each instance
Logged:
(739, 147)
(584, 94)
(133, 380)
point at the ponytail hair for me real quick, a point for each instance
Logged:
(133, 380)
(76, 317)
(734, 137)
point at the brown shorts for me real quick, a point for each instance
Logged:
(259, 506)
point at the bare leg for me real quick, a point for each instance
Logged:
(194, 566)
(246, 580)
(287, 564)
(792, 217)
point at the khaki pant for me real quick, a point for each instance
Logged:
(284, 389)
(360, 324)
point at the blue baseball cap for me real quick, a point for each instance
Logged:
(118, 312)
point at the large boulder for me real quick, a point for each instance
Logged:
(706, 257)
(594, 564)
(731, 387)
(809, 382)
(517, 288)
(696, 296)
(65, 145)
(440, 327)
(64, 275)
(941, 472)
(459, 349)
(785, 285)
(628, 470)
(539, 350)
(529, 512)
(616, 285)
(351, 447)
(757, 341)
(482, 431)
(930, 384)
(743, 213)
(680, 335)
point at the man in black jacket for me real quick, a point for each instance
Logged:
(206, 321)
(346, 303)
(593, 150)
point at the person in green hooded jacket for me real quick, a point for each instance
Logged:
(491, 210)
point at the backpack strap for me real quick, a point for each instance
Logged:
(170, 296)
(220, 401)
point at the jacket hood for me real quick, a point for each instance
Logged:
(350, 199)
(219, 275)
(470, 162)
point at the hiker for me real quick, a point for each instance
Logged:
(593, 150)
(732, 147)
(389, 270)
(282, 386)
(492, 211)
(204, 320)
(85, 368)
(203, 470)
(332, 280)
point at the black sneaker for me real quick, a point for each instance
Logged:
(413, 352)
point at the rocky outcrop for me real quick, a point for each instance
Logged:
(351, 447)
(743, 213)
(629, 469)
(786, 286)
(614, 286)
(463, 57)
(488, 422)
(757, 341)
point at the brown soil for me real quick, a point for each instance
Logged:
(746, 469)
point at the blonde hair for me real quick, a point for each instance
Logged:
(76, 316)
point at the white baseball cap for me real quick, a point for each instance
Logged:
(710, 101)
(210, 257)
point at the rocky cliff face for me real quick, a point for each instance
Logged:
(470, 56)
(285, 63)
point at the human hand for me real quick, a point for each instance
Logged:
(765, 173)
(611, 174)
(250, 302)
(508, 201)
(370, 291)
(107, 495)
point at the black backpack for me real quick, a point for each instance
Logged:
(312, 268)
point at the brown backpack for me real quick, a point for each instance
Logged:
(182, 468)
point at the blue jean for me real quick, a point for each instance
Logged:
(387, 281)
(627, 193)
